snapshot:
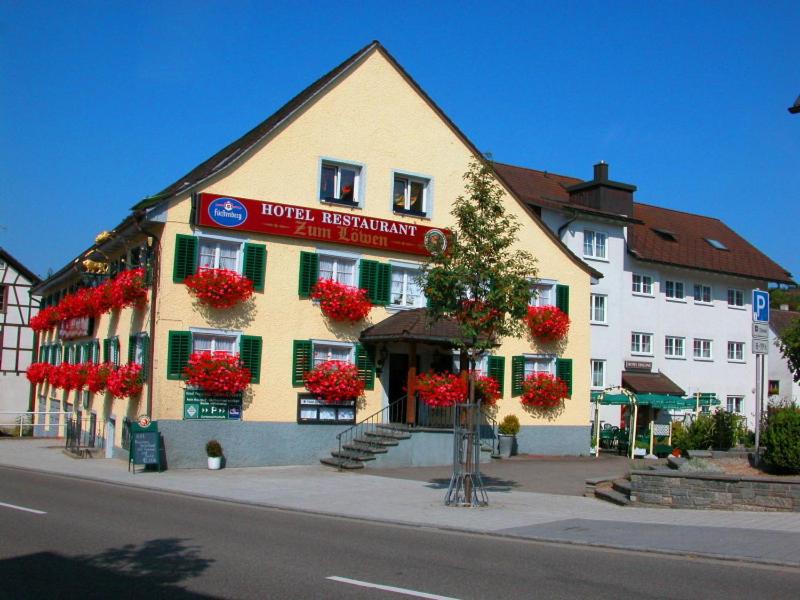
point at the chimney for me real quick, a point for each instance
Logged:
(784, 307)
(603, 194)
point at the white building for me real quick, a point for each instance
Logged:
(672, 312)
(17, 306)
(781, 386)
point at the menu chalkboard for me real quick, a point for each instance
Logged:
(145, 449)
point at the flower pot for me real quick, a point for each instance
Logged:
(504, 445)
(214, 462)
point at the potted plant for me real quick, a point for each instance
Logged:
(219, 288)
(341, 302)
(507, 432)
(335, 381)
(547, 324)
(214, 453)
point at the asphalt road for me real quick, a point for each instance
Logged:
(97, 540)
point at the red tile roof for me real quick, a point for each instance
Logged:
(650, 383)
(689, 248)
(779, 320)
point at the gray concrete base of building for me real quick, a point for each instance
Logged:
(258, 444)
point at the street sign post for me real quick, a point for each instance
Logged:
(760, 331)
(760, 345)
(760, 306)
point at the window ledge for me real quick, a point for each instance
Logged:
(699, 303)
(739, 361)
(601, 323)
(703, 359)
(734, 307)
(410, 213)
(345, 203)
(399, 307)
(643, 295)
(668, 357)
(680, 300)
(641, 354)
(597, 258)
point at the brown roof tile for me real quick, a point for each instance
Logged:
(779, 320)
(412, 326)
(650, 383)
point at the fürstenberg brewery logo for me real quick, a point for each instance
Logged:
(227, 212)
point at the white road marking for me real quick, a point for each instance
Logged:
(389, 588)
(30, 510)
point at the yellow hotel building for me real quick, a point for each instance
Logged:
(365, 152)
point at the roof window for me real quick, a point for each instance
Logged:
(665, 234)
(716, 244)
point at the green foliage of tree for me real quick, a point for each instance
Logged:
(789, 343)
(481, 279)
(721, 431)
(790, 296)
(782, 439)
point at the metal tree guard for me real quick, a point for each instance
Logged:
(466, 486)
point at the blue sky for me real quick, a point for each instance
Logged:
(104, 103)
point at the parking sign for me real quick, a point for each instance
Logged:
(760, 306)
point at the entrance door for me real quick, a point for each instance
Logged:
(398, 380)
(111, 427)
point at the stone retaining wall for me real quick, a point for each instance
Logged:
(671, 489)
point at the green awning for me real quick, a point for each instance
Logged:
(665, 402)
(613, 399)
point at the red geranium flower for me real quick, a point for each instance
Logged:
(97, 376)
(334, 381)
(220, 288)
(547, 323)
(125, 381)
(45, 319)
(129, 289)
(217, 372)
(341, 302)
(544, 393)
(487, 389)
(38, 372)
(441, 389)
(102, 300)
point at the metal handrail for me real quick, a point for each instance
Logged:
(493, 424)
(369, 423)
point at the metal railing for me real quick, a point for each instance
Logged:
(367, 425)
(441, 417)
(81, 433)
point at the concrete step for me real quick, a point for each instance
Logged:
(360, 446)
(353, 455)
(343, 463)
(611, 495)
(401, 427)
(623, 486)
(377, 438)
(390, 432)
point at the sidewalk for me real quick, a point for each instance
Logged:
(772, 538)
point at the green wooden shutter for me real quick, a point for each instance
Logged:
(301, 360)
(517, 374)
(251, 355)
(115, 347)
(255, 264)
(309, 273)
(106, 350)
(496, 368)
(179, 348)
(185, 257)
(368, 278)
(96, 351)
(145, 340)
(365, 363)
(564, 372)
(562, 298)
(384, 283)
(131, 349)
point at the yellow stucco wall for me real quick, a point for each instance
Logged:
(375, 118)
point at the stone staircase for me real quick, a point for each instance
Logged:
(378, 440)
(616, 491)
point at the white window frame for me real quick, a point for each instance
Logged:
(333, 343)
(703, 288)
(339, 255)
(604, 303)
(593, 246)
(427, 194)
(735, 399)
(358, 184)
(675, 283)
(225, 239)
(139, 348)
(735, 306)
(734, 346)
(702, 341)
(532, 359)
(641, 286)
(412, 270)
(639, 342)
(481, 363)
(541, 284)
(227, 333)
(670, 353)
(602, 364)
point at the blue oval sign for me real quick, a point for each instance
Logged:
(227, 212)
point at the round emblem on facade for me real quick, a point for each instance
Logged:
(227, 212)
(435, 241)
(144, 421)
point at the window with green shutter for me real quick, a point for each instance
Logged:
(562, 298)
(309, 273)
(107, 350)
(496, 368)
(132, 340)
(96, 351)
(517, 374)
(179, 348)
(376, 278)
(255, 264)
(301, 360)
(250, 352)
(185, 257)
(564, 372)
(365, 362)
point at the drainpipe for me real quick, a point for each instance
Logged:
(155, 271)
(567, 224)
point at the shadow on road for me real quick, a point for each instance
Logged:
(153, 569)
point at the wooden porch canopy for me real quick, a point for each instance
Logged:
(413, 326)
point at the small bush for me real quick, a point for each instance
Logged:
(509, 425)
(727, 429)
(782, 439)
(213, 449)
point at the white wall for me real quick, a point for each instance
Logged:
(778, 370)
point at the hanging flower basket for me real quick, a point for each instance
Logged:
(217, 372)
(76, 305)
(38, 372)
(219, 288)
(441, 389)
(334, 381)
(68, 377)
(45, 319)
(341, 302)
(544, 394)
(125, 381)
(102, 300)
(97, 376)
(487, 389)
(547, 323)
(129, 289)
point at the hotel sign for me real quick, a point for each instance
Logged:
(257, 216)
(77, 327)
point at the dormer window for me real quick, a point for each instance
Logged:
(716, 244)
(665, 234)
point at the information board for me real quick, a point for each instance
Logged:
(145, 446)
(198, 404)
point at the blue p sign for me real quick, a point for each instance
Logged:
(760, 306)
